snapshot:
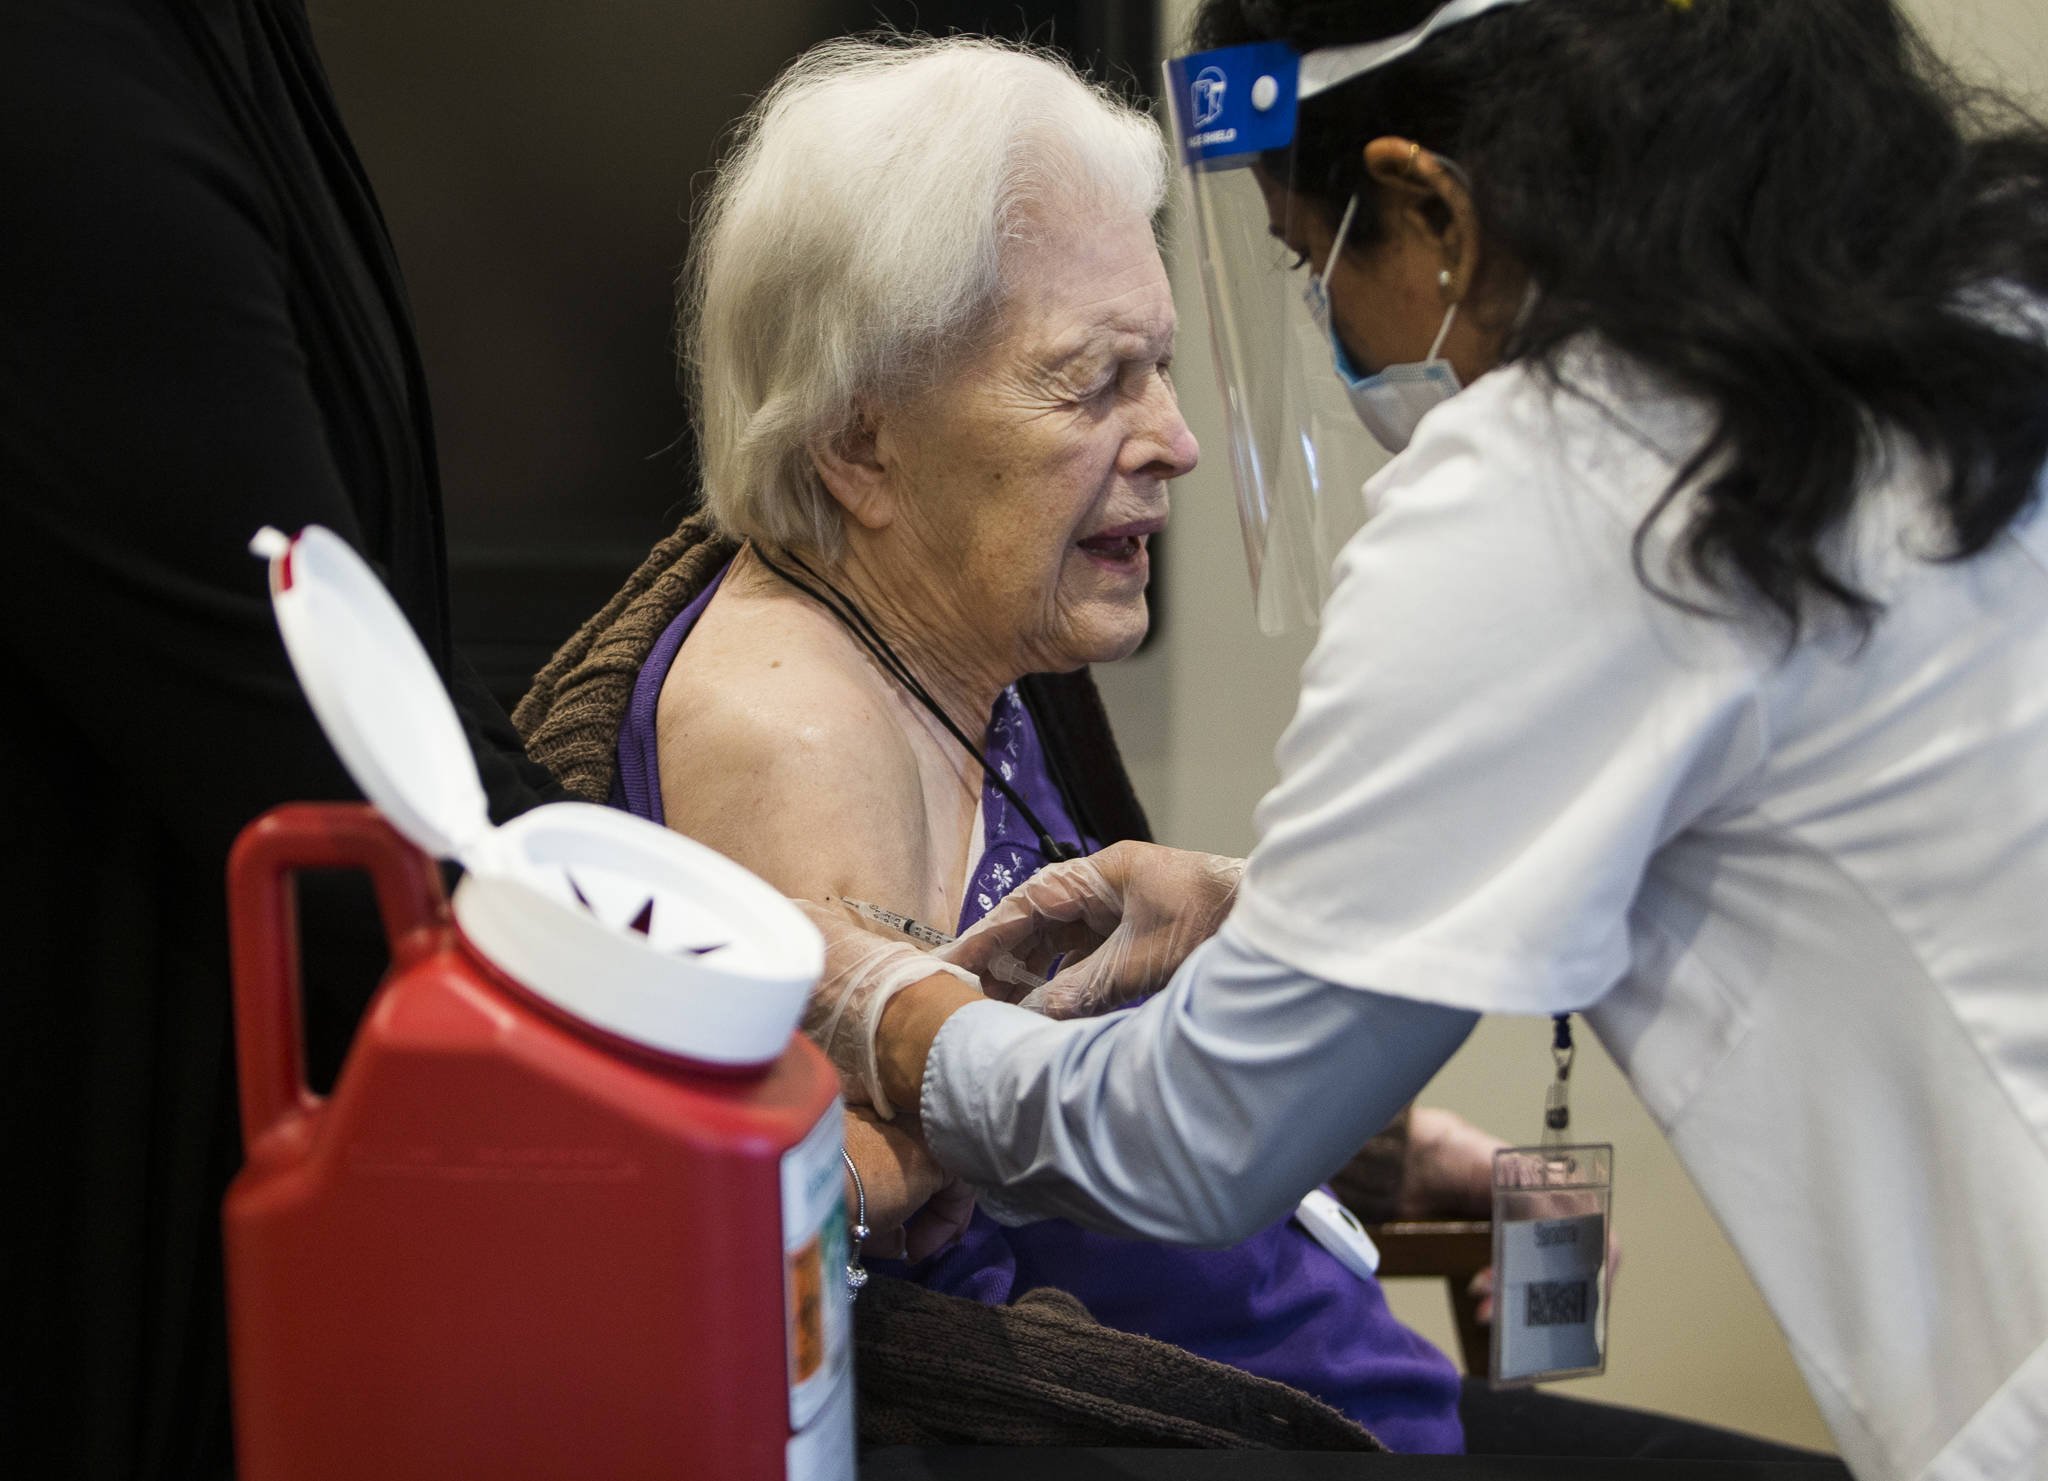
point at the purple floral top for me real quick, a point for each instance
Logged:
(1009, 851)
(1277, 1305)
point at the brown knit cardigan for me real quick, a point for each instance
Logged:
(570, 719)
(936, 1369)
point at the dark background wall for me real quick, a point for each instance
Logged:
(535, 161)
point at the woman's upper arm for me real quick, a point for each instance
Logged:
(795, 774)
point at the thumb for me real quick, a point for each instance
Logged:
(1083, 989)
(1021, 953)
(1059, 909)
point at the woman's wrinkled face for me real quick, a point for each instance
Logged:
(1029, 485)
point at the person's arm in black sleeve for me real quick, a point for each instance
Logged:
(156, 407)
(513, 781)
(158, 403)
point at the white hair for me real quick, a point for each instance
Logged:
(853, 247)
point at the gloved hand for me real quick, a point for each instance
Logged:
(1122, 920)
(863, 971)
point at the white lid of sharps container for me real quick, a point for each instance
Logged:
(630, 927)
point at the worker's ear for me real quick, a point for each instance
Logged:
(857, 469)
(1419, 198)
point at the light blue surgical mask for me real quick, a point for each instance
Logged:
(1393, 402)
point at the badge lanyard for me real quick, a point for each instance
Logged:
(1551, 1207)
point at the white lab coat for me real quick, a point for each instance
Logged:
(1803, 897)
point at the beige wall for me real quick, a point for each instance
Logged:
(1198, 714)
(2000, 41)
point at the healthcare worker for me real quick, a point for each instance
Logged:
(1690, 670)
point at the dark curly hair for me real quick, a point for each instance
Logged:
(1788, 208)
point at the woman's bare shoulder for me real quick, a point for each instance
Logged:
(780, 748)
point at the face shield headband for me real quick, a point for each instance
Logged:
(1298, 455)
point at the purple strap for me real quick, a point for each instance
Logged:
(637, 787)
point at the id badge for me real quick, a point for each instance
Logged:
(1551, 1207)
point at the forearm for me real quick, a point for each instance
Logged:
(1198, 1118)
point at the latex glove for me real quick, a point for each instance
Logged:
(863, 971)
(1119, 922)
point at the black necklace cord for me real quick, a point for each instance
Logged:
(835, 601)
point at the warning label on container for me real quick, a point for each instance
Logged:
(806, 1312)
(814, 1238)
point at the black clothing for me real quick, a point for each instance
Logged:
(202, 330)
(1535, 1422)
(1080, 751)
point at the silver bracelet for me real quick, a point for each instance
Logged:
(856, 1273)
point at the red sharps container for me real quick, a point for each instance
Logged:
(574, 1207)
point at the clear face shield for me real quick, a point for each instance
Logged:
(1299, 454)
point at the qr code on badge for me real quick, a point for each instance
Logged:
(1556, 1303)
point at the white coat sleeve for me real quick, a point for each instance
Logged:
(1198, 1117)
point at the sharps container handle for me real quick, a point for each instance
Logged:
(263, 926)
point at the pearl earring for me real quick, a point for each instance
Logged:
(1443, 280)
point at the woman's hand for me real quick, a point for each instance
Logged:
(1119, 923)
(1448, 1170)
(914, 1207)
(1448, 1174)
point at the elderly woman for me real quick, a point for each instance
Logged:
(929, 336)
